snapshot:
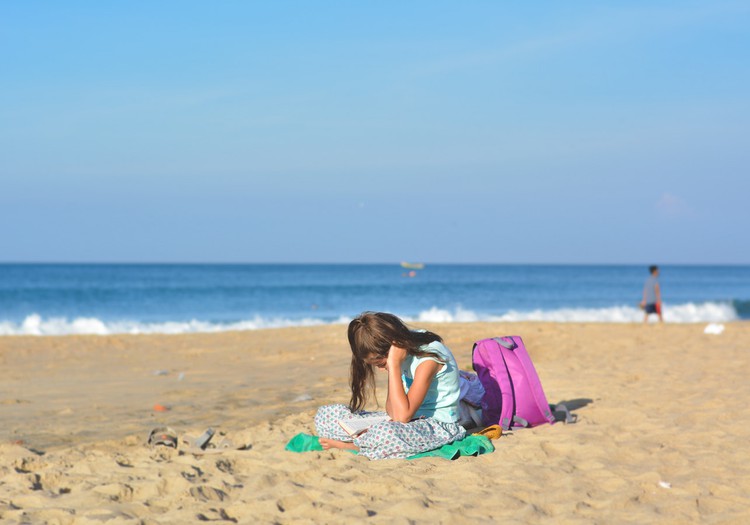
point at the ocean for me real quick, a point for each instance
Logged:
(58, 299)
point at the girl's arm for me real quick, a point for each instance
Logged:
(400, 405)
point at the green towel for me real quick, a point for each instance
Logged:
(469, 446)
(303, 443)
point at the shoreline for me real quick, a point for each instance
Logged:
(231, 327)
(657, 403)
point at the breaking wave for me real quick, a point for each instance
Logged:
(34, 324)
(683, 313)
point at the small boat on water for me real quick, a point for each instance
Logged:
(412, 266)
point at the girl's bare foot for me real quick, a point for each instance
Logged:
(328, 444)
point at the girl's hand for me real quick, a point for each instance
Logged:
(396, 356)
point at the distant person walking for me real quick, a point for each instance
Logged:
(651, 302)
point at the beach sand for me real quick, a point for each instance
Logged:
(662, 435)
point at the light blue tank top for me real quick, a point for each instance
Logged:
(650, 289)
(441, 401)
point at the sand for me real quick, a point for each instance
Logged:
(662, 435)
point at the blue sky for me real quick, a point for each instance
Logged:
(559, 132)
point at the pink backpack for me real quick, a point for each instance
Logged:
(513, 393)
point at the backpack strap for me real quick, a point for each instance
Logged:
(506, 387)
(518, 421)
(510, 345)
(535, 385)
(569, 417)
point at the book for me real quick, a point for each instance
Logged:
(357, 425)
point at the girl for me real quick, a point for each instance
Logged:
(423, 391)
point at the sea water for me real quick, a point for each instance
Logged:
(53, 299)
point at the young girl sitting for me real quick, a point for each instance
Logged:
(423, 391)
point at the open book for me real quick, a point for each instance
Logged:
(357, 425)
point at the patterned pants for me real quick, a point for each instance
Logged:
(388, 439)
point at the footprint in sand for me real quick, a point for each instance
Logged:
(123, 461)
(195, 475)
(225, 466)
(206, 493)
(215, 515)
(119, 492)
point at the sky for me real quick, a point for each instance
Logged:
(430, 131)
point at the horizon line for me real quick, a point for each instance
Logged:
(329, 263)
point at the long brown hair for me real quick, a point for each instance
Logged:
(372, 334)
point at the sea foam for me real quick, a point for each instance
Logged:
(35, 324)
(709, 312)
